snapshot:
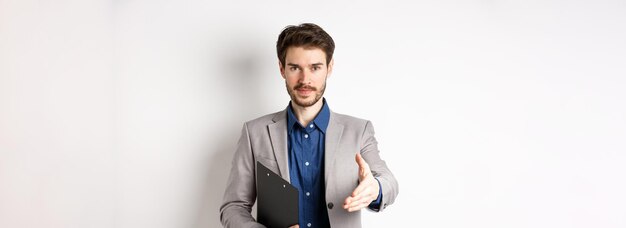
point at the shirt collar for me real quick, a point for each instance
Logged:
(320, 121)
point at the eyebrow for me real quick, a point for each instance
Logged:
(296, 65)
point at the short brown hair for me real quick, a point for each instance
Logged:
(307, 35)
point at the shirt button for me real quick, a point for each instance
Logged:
(311, 126)
(306, 163)
(308, 224)
(308, 193)
(330, 205)
(306, 136)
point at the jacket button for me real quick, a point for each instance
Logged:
(330, 205)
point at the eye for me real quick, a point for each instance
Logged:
(315, 68)
(293, 68)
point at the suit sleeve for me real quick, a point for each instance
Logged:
(240, 193)
(371, 154)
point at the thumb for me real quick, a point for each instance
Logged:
(361, 162)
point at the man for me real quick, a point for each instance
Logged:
(332, 159)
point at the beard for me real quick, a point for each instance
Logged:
(306, 101)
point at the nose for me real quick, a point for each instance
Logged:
(305, 76)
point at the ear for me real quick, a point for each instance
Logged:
(330, 67)
(282, 69)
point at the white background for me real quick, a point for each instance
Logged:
(490, 113)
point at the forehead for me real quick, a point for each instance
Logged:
(302, 55)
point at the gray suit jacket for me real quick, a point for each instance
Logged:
(265, 139)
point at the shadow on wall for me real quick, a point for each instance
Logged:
(238, 75)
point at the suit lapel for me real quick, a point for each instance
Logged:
(333, 137)
(278, 137)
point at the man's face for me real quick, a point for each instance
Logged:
(305, 73)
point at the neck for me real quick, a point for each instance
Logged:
(307, 114)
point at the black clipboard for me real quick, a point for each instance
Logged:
(277, 199)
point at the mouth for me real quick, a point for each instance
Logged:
(304, 92)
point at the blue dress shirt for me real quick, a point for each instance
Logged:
(306, 167)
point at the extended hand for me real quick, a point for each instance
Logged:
(366, 192)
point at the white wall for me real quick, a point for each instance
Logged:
(490, 113)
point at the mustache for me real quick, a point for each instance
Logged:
(303, 86)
